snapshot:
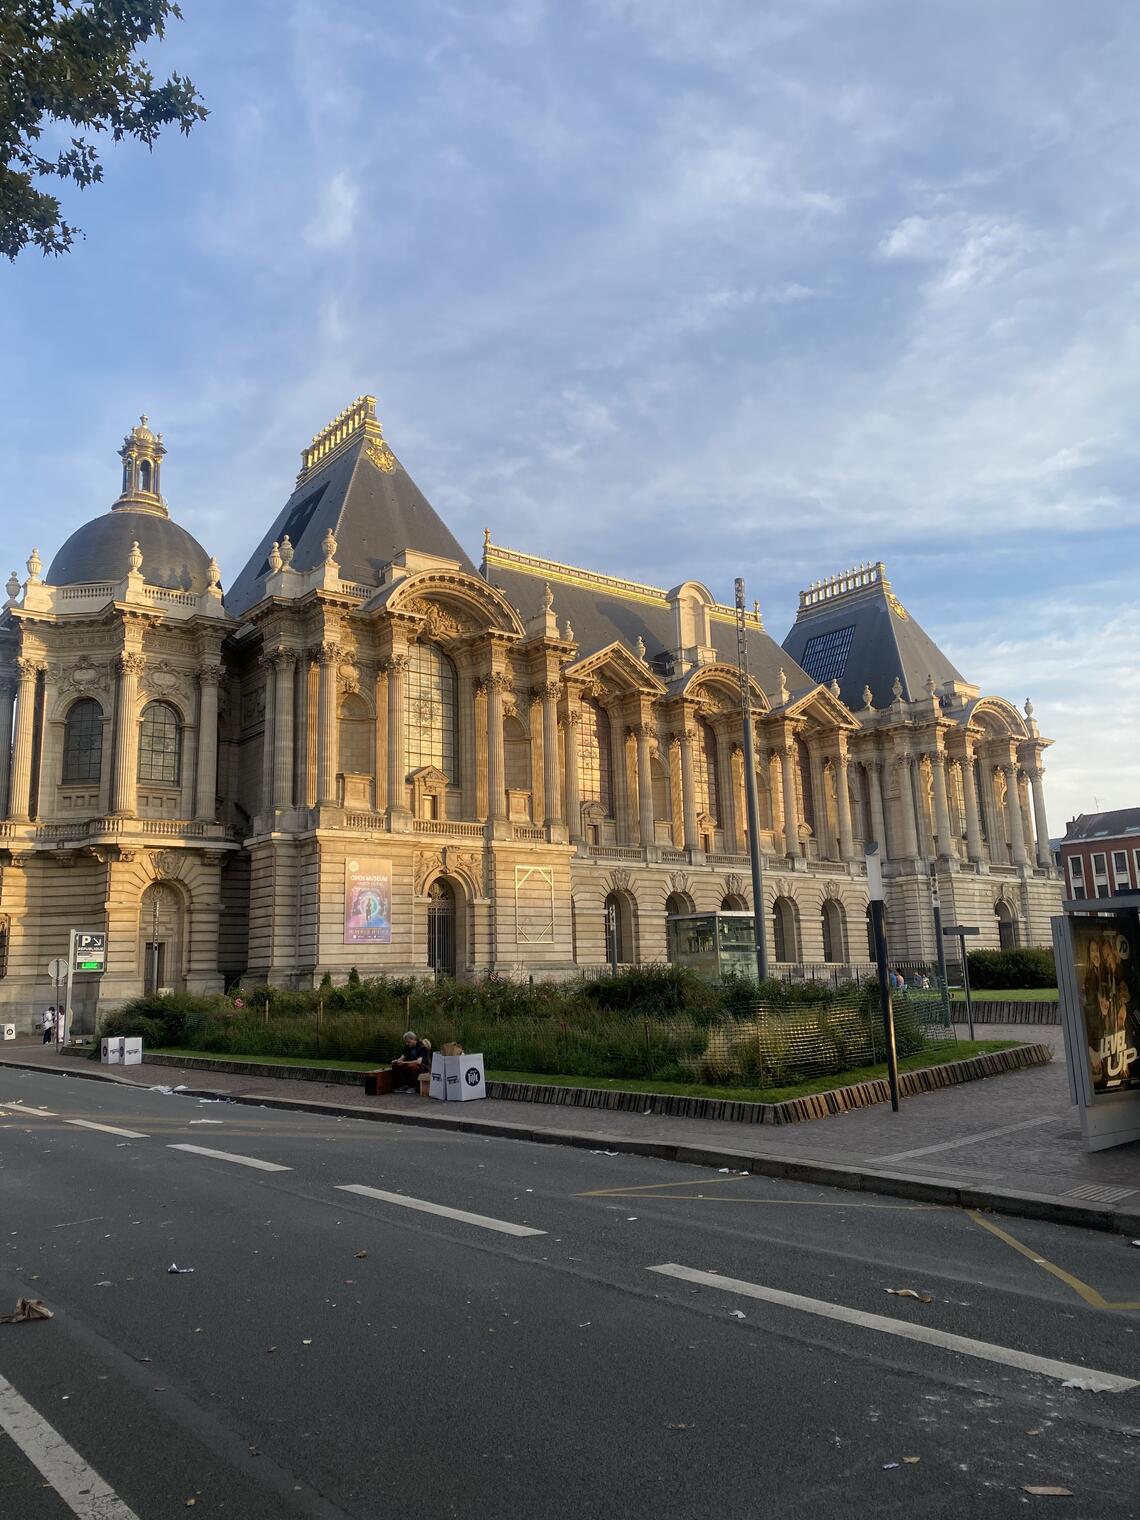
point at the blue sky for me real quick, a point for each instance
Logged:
(666, 287)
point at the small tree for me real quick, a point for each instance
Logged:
(63, 61)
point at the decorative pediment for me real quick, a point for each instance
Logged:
(430, 779)
(824, 709)
(618, 671)
(716, 689)
(462, 603)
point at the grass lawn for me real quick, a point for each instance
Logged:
(1006, 995)
(937, 1055)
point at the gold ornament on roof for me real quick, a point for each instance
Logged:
(381, 456)
(896, 606)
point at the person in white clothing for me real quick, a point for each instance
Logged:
(48, 1023)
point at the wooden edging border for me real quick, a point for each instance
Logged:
(840, 1100)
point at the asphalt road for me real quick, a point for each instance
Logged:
(336, 1353)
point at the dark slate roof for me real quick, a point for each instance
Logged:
(603, 613)
(98, 552)
(1104, 825)
(864, 637)
(373, 514)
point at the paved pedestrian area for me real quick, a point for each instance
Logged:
(1014, 1133)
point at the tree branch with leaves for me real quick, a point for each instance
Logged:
(69, 62)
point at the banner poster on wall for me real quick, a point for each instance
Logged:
(367, 901)
(1107, 956)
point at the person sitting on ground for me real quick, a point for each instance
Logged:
(412, 1060)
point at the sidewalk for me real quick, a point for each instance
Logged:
(1011, 1143)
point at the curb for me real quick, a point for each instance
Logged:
(1088, 1216)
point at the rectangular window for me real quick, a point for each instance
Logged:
(1076, 876)
(1119, 869)
(1136, 867)
(825, 655)
(1100, 867)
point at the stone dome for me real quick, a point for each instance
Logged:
(98, 552)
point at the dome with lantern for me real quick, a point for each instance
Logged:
(100, 549)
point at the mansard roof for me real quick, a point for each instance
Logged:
(1110, 825)
(350, 485)
(603, 609)
(853, 629)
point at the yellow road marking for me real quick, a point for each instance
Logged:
(1090, 1295)
(641, 1187)
(649, 1190)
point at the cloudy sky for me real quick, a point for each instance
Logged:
(665, 287)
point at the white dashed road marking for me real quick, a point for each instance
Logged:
(503, 1226)
(1108, 1382)
(204, 1150)
(78, 1485)
(107, 1129)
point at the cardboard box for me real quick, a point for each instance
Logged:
(438, 1084)
(111, 1051)
(465, 1079)
(378, 1083)
(9, 1031)
(132, 1050)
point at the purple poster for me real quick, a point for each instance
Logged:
(367, 901)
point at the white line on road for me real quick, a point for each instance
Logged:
(953, 1145)
(204, 1150)
(503, 1226)
(78, 1485)
(1108, 1382)
(22, 1108)
(107, 1129)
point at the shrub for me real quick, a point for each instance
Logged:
(1023, 967)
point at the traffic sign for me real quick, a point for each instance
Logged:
(57, 968)
(90, 951)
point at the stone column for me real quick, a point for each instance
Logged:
(285, 664)
(1013, 809)
(379, 740)
(821, 827)
(942, 833)
(843, 807)
(21, 805)
(726, 791)
(689, 790)
(643, 733)
(267, 733)
(1041, 822)
(302, 721)
(550, 799)
(124, 795)
(907, 824)
(205, 802)
(7, 698)
(329, 657)
(496, 683)
(874, 769)
(397, 747)
(573, 790)
(791, 812)
(467, 740)
(974, 850)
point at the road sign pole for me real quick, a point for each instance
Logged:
(878, 928)
(936, 903)
(966, 985)
(67, 999)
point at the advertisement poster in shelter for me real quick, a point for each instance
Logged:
(1107, 956)
(367, 901)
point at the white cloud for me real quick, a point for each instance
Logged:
(334, 218)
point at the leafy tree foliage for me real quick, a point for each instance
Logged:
(74, 61)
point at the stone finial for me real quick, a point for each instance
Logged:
(547, 597)
(1028, 708)
(783, 694)
(135, 558)
(639, 648)
(834, 688)
(568, 632)
(275, 560)
(930, 686)
(897, 689)
(486, 541)
(287, 551)
(328, 544)
(868, 699)
(35, 564)
(13, 587)
(213, 574)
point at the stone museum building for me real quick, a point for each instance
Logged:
(366, 751)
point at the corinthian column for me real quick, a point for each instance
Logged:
(285, 664)
(207, 789)
(791, 812)
(550, 798)
(970, 800)
(843, 807)
(1041, 822)
(644, 784)
(573, 790)
(329, 657)
(124, 795)
(689, 790)
(21, 803)
(7, 697)
(909, 849)
(874, 769)
(1013, 811)
(496, 683)
(943, 843)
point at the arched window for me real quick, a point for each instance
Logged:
(785, 929)
(705, 762)
(662, 792)
(834, 932)
(733, 902)
(595, 771)
(160, 745)
(431, 732)
(83, 743)
(516, 751)
(356, 732)
(144, 475)
(620, 921)
(1007, 925)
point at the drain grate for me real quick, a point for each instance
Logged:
(1097, 1194)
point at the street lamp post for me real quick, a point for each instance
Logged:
(750, 785)
(936, 903)
(875, 896)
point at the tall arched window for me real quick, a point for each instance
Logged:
(144, 475)
(355, 735)
(431, 728)
(160, 745)
(516, 752)
(595, 770)
(786, 929)
(834, 931)
(662, 792)
(83, 743)
(705, 763)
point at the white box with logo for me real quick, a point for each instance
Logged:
(132, 1050)
(438, 1077)
(469, 1081)
(111, 1050)
(9, 1031)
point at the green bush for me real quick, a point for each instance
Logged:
(1012, 968)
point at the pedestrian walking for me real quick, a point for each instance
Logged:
(61, 1024)
(48, 1023)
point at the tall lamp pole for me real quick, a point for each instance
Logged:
(936, 904)
(875, 895)
(750, 784)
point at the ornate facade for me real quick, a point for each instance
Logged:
(369, 753)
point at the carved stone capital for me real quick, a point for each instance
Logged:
(130, 663)
(328, 652)
(210, 675)
(397, 664)
(282, 660)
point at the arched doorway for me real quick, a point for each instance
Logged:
(733, 902)
(1007, 925)
(786, 929)
(676, 905)
(441, 927)
(160, 938)
(620, 928)
(834, 932)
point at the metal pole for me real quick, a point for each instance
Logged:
(966, 983)
(939, 942)
(751, 799)
(67, 997)
(878, 928)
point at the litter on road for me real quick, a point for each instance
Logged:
(923, 1298)
(26, 1308)
(181, 1271)
(1047, 1491)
